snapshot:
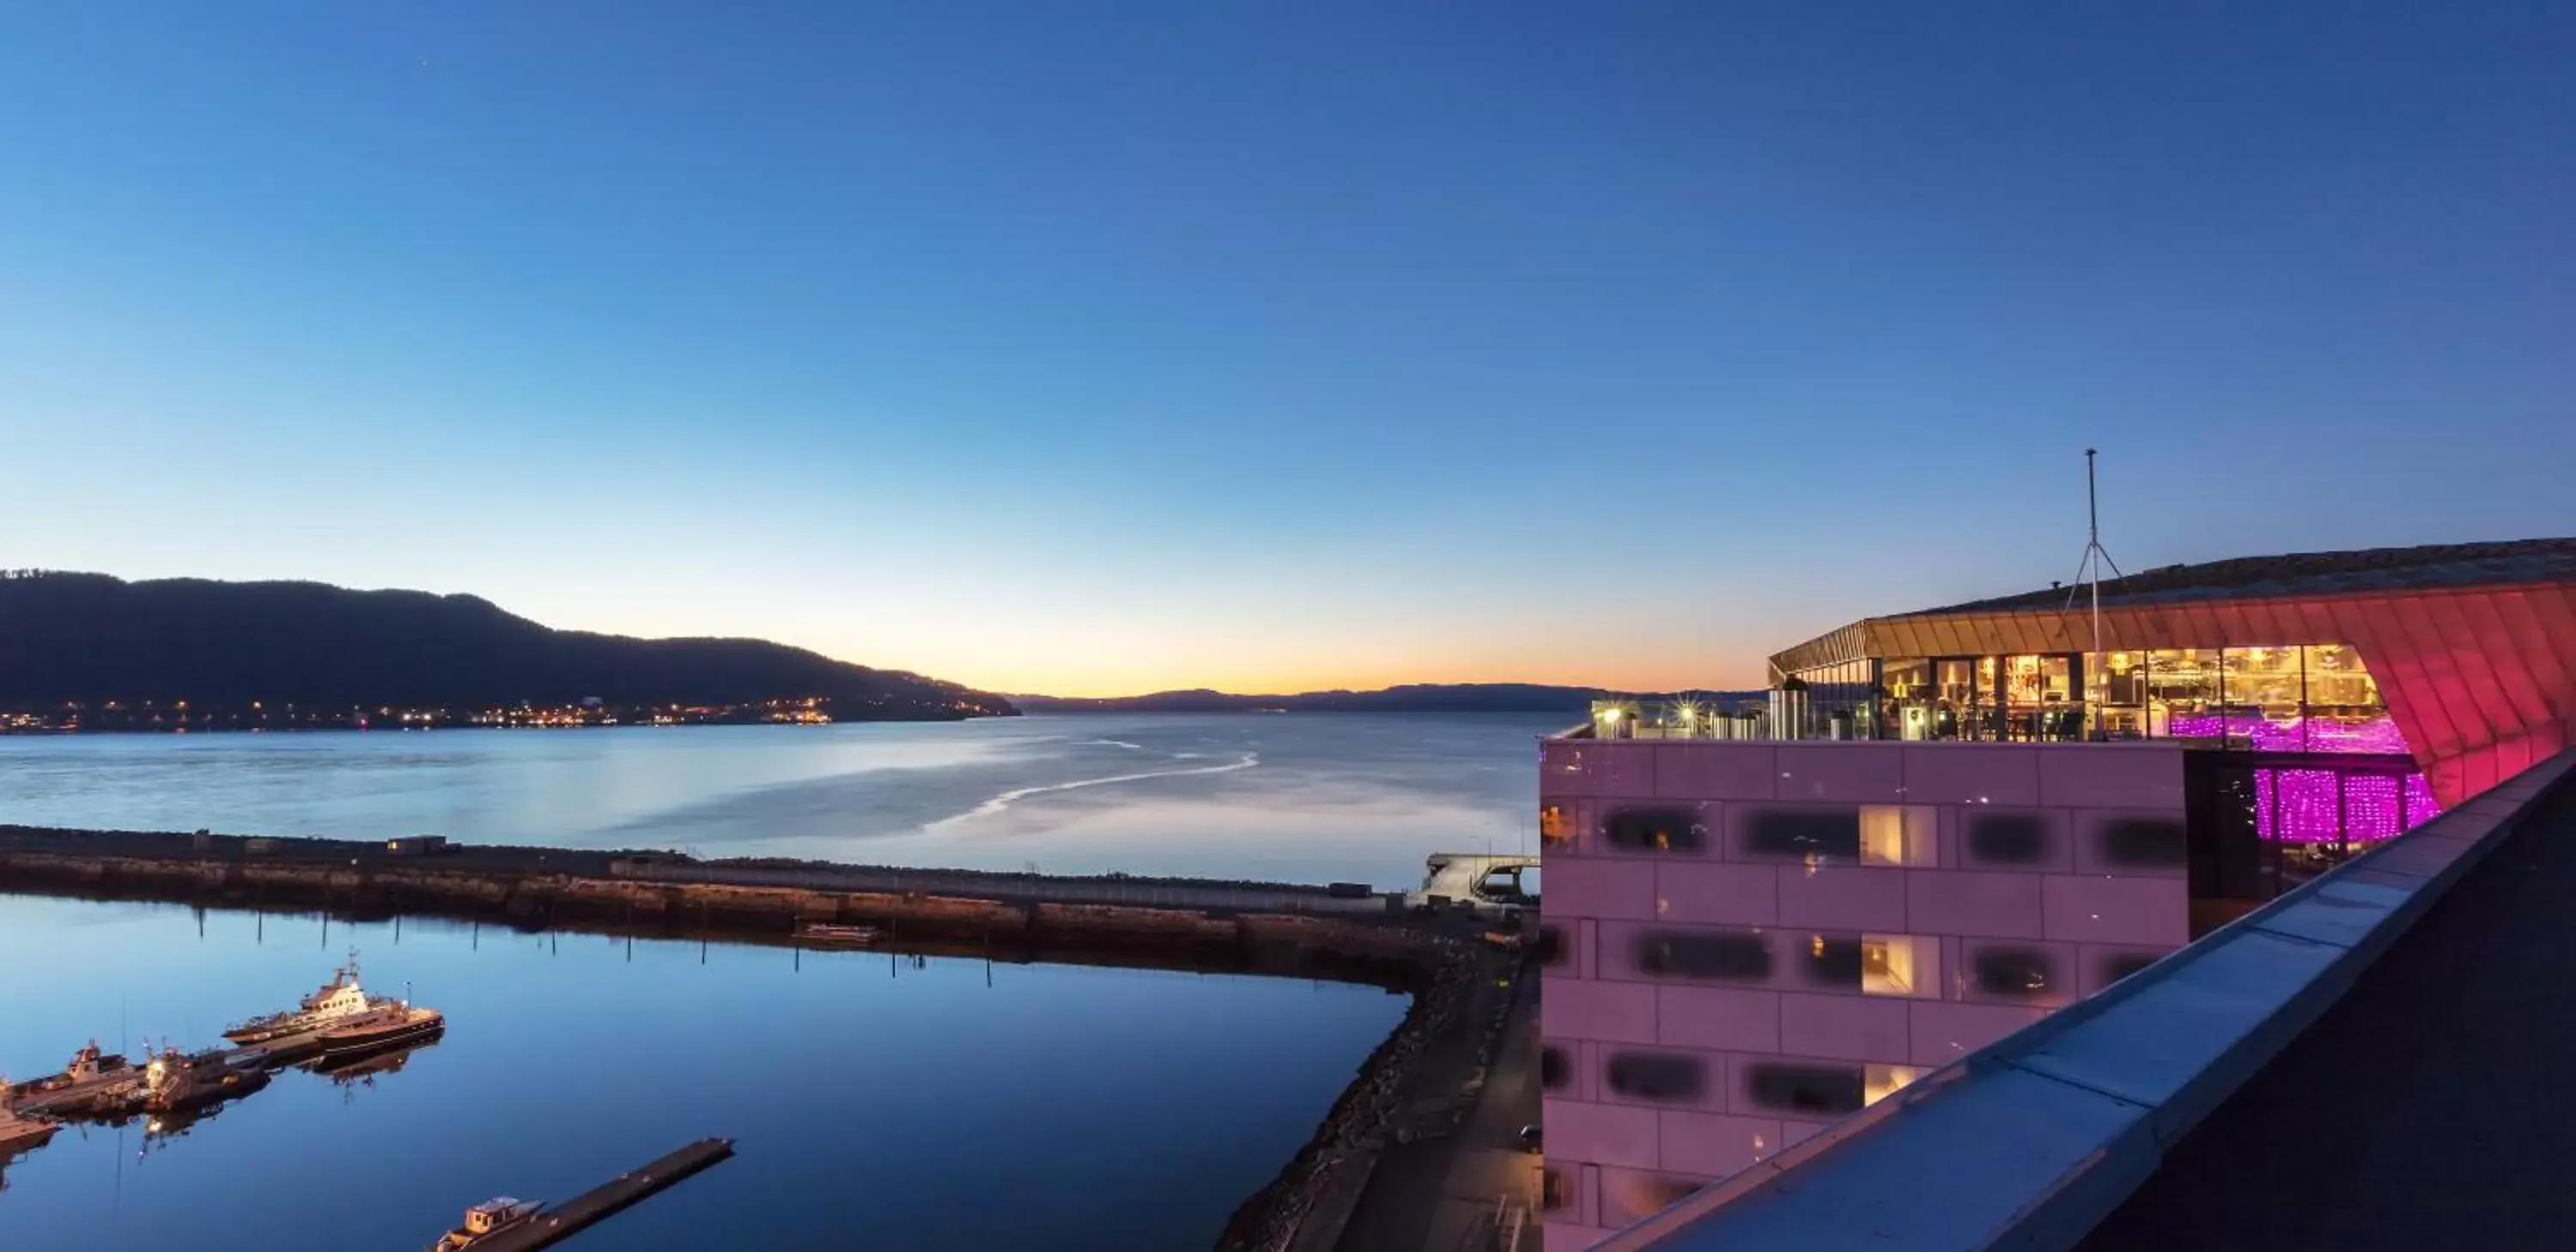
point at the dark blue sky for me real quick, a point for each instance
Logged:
(1097, 347)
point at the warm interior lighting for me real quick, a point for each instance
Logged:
(1882, 1081)
(1898, 834)
(1887, 965)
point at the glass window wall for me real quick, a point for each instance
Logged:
(2318, 698)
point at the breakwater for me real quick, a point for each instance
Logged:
(1259, 928)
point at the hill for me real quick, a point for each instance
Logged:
(1410, 698)
(94, 639)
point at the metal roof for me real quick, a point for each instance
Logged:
(2317, 573)
(2202, 605)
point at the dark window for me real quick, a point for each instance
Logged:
(2120, 965)
(2017, 972)
(1721, 956)
(1553, 1069)
(1804, 832)
(1654, 830)
(1657, 1075)
(2008, 839)
(1548, 945)
(1806, 1088)
(2143, 841)
(1833, 962)
(1551, 1190)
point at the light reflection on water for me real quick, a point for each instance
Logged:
(877, 1103)
(1307, 797)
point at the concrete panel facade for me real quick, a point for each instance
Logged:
(1753, 939)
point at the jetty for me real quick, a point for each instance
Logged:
(551, 1226)
(1344, 932)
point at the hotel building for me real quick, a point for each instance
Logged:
(1936, 827)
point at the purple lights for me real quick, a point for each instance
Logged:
(2301, 805)
(2322, 804)
(2293, 733)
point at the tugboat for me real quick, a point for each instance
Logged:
(94, 1078)
(338, 999)
(399, 1027)
(826, 932)
(174, 1083)
(485, 1220)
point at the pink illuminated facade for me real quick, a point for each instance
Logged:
(1940, 826)
(1754, 938)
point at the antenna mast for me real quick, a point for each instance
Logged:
(2088, 575)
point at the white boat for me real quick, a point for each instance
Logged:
(485, 1220)
(337, 1000)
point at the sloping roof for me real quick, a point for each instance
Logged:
(2317, 573)
(2178, 599)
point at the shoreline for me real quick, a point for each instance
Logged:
(1260, 929)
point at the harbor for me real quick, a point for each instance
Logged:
(339, 1032)
(338, 1024)
(1437, 958)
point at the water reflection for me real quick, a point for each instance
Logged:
(1312, 797)
(362, 1069)
(890, 1092)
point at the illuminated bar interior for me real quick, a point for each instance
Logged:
(2304, 766)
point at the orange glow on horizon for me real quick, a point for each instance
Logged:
(1112, 681)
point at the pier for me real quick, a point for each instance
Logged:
(554, 1225)
(1339, 932)
(537, 886)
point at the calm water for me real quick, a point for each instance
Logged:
(876, 1104)
(1306, 797)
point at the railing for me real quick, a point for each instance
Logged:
(1791, 715)
(1794, 716)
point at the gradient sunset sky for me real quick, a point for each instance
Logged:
(1093, 348)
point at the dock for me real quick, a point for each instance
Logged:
(1341, 932)
(554, 1225)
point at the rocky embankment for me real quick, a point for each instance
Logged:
(1303, 1208)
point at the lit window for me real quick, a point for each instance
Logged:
(1887, 964)
(1881, 1081)
(1897, 834)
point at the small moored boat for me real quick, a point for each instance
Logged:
(93, 1079)
(826, 932)
(175, 1083)
(485, 1220)
(375, 1032)
(337, 1000)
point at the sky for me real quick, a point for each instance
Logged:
(1091, 348)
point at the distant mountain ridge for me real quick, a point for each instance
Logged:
(94, 638)
(1409, 698)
